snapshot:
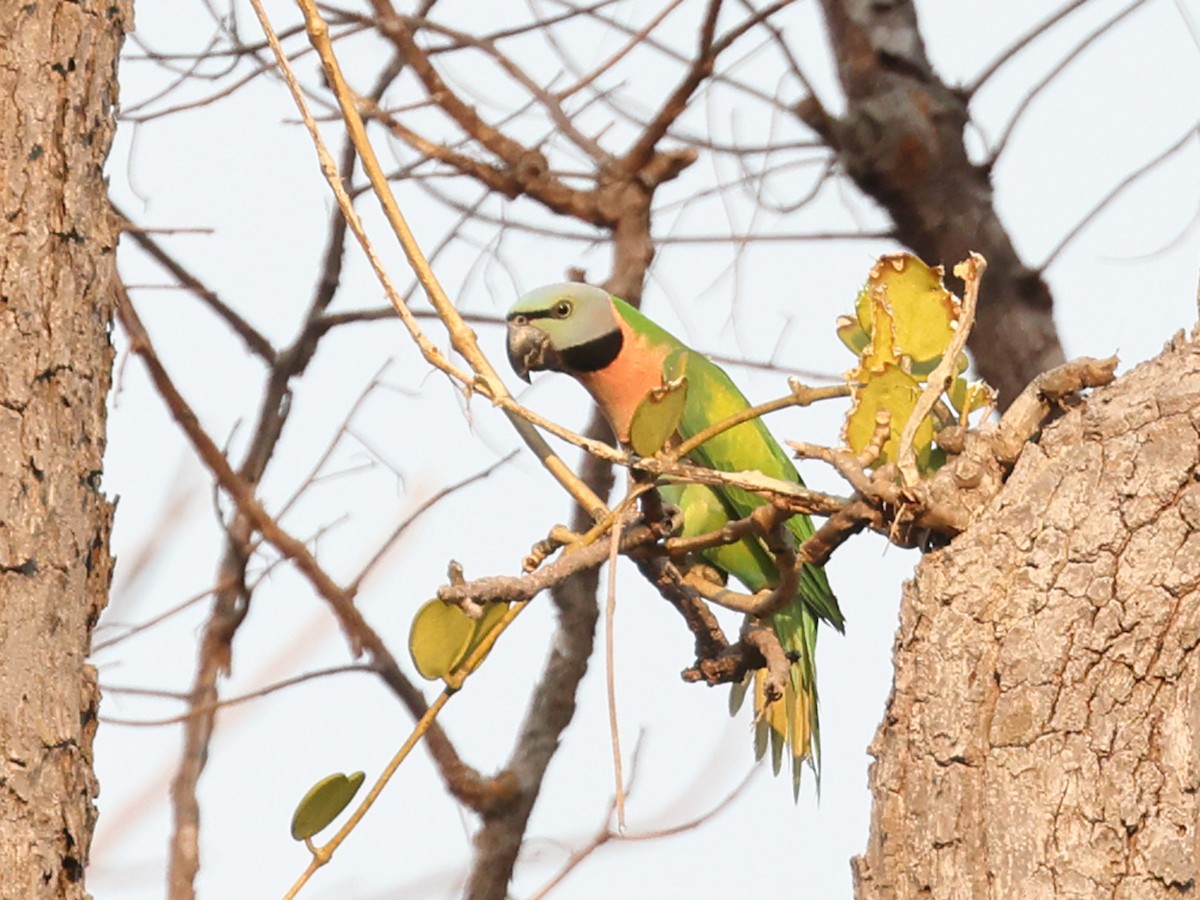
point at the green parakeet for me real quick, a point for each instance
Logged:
(620, 357)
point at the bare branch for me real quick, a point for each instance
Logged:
(255, 342)
(639, 154)
(471, 595)
(1059, 67)
(1026, 415)
(1020, 44)
(607, 834)
(461, 780)
(1116, 190)
(195, 710)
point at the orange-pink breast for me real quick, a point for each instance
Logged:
(619, 387)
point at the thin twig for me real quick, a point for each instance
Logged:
(970, 271)
(1020, 44)
(801, 395)
(461, 336)
(160, 618)
(222, 704)
(606, 834)
(255, 342)
(1058, 68)
(610, 677)
(1120, 186)
(322, 854)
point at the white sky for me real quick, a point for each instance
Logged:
(242, 168)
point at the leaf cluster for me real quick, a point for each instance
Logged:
(903, 324)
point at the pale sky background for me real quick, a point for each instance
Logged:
(245, 172)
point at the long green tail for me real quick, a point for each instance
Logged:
(791, 722)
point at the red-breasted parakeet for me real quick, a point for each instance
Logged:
(620, 357)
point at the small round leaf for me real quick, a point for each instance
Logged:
(657, 416)
(439, 639)
(852, 335)
(323, 802)
(492, 614)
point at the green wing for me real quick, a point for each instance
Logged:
(713, 397)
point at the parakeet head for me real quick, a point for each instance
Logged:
(563, 327)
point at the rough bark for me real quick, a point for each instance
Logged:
(901, 140)
(1043, 734)
(58, 84)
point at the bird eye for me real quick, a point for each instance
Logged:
(519, 320)
(563, 309)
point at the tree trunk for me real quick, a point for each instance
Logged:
(57, 280)
(1043, 734)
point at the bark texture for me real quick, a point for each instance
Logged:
(57, 274)
(901, 140)
(1043, 734)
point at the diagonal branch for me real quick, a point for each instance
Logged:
(254, 340)
(700, 69)
(462, 338)
(1116, 190)
(460, 779)
(1059, 67)
(526, 166)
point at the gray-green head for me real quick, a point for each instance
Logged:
(565, 327)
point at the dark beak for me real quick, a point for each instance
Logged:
(529, 350)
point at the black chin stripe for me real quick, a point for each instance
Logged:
(595, 354)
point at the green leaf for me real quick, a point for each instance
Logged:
(658, 414)
(323, 802)
(852, 334)
(958, 394)
(925, 368)
(440, 637)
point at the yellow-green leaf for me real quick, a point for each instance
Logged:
(970, 396)
(882, 351)
(852, 334)
(658, 414)
(924, 314)
(483, 626)
(323, 802)
(862, 305)
(892, 389)
(958, 394)
(439, 639)
(923, 369)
